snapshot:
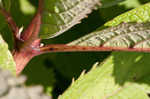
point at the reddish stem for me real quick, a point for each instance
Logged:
(21, 59)
(27, 48)
(32, 31)
(66, 48)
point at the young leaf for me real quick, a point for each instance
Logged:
(6, 59)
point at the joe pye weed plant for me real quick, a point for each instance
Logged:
(52, 41)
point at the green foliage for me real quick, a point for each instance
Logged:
(125, 35)
(6, 60)
(123, 74)
(141, 14)
(62, 15)
(69, 67)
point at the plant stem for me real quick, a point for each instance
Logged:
(66, 48)
(22, 58)
(31, 33)
(29, 42)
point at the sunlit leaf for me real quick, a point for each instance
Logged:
(6, 59)
(122, 76)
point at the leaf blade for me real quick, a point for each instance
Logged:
(59, 16)
(140, 14)
(125, 35)
(116, 78)
(6, 59)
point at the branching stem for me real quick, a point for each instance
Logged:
(28, 44)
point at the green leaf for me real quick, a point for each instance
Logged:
(124, 75)
(125, 35)
(61, 15)
(6, 59)
(140, 14)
